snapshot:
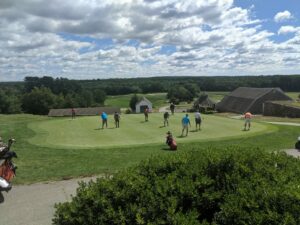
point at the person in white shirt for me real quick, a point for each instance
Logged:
(198, 120)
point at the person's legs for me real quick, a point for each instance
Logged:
(104, 122)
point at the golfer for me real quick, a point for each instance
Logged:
(146, 113)
(166, 119)
(198, 120)
(73, 112)
(247, 118)
(171, 141)
(172, 108)
(185, 124)
(117, 119)
(104, 119)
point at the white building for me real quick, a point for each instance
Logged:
(142, 105)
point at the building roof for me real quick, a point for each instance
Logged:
(144, 99)
(243, 99)
(252, 93)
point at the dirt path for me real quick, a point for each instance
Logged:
(34, 204)
(293, 152)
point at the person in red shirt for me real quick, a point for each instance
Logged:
(171, 141)
(247, 118)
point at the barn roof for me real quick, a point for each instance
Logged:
(251, 93)
(243, 99)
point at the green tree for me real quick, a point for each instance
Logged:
(38, 101)
(99, 96)
(179, 93)
(134, 99)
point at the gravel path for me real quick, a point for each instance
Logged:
(34, 204)
(293, 152)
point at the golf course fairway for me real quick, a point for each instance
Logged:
(86, 132)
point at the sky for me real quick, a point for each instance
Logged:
(99, 39)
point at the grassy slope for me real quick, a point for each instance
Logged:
(84, 132)
(157, 99)
(41, 163)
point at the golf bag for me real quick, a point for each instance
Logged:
(7, 168)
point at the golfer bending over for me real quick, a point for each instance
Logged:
(185, 124)
(104, 119)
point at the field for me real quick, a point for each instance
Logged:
(157, 99)
(43, 156)
(85, 132)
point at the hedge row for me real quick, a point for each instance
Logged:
(233, 186)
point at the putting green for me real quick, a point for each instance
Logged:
(85, 132)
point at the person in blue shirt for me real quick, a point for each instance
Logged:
(104, 119)
(185, 124)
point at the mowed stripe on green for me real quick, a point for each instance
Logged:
(85, 132)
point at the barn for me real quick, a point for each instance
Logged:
(246, 99)
(142, 105)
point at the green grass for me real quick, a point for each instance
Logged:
(157, 99)
(39, 163)
(84, 132)
(293, 95)
(217, 95)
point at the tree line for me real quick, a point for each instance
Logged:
(290, 83)
(37, 95)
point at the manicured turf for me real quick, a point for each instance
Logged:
(37, 163)
(85, 132)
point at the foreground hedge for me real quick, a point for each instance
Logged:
(211, 187)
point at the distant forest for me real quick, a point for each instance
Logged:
(37, 95)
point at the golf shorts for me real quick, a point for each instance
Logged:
(198, 121)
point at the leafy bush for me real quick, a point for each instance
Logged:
(234, 186)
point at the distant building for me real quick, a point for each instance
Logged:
(204, 102)
(142, 105)
(245, 99)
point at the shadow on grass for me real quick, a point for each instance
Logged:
(180, 136)
(1, 197)
(193, 131)
(168, 149)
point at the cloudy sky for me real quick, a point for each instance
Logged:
(85, 39)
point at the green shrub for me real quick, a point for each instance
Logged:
(232, 186)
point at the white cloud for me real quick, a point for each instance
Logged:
(212, 37)
(283, 16)
(288, 29)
